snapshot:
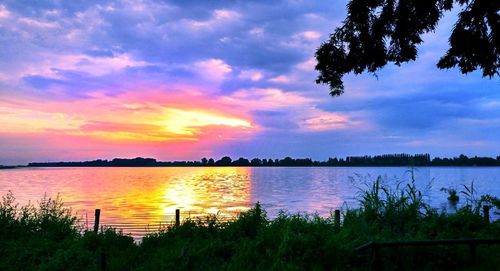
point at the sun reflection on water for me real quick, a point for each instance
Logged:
(222, 191)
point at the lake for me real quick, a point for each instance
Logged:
(139, 200)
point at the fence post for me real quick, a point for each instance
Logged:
(103, 261)
(486, 213)
(177, 217)
(96, 221)
(336, 223)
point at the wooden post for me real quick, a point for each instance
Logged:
(96, 221)
(336, 223)
(103, 261)
(486, 213)
(177, 217)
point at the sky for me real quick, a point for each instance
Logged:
(182, 80)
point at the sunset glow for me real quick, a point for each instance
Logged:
(188, 122)
(129, 118)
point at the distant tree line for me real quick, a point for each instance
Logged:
(350, 161)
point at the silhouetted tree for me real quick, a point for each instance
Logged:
(136, 162)
(204, 161)
(241, 162)
(224, 161)
(377, 32)
(270, 162)
(333, 161)
(401, 159)
(256, 162)
(287, 162)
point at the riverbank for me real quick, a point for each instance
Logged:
(48, 237)
(10, 167)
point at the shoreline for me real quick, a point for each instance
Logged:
(207, 166)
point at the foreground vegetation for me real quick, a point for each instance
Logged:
(47, 237)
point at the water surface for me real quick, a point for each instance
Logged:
(139, 200)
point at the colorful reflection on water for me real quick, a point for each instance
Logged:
(137, 200)
(140, 200)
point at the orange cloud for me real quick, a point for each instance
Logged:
(181, 122)
(185, 122)
(130, 117)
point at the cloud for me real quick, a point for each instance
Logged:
(257, 32)
(254, 75)
(267, 98)
(4, 12)
(307, 65)
(15, 119)
(308, 35)
(275, 108)
(188, 122)
(281, 79)
(224, 14)
(303, 40)
(29, 22)
(218, 19)
(128, 117)
(213, 69)
(324, 121)
(96, 66)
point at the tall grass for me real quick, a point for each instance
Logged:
(46, 237)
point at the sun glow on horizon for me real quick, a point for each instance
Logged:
(127, 118)
(187, 122)
(141, 122)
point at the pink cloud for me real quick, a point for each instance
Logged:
(167, 122)
(213, 69)
(186, 125)
(254, 75)
(4, 12)
(282, 79)
(309, 35)
(324, 121)
(307, 65)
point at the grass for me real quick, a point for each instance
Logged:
(453, 197)
(46, 237)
